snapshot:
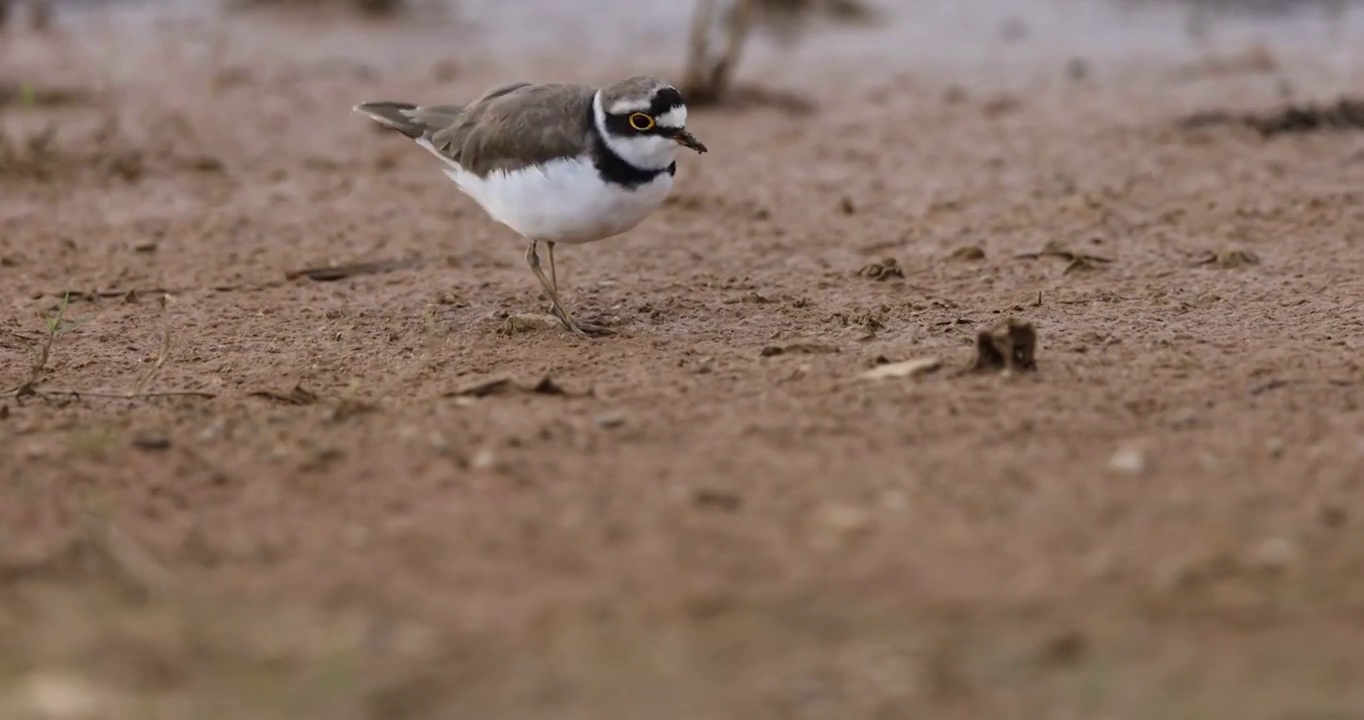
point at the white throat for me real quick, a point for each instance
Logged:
(645, 152)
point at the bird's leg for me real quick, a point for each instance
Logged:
(556, 307)
(553, 276)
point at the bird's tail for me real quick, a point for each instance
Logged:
(398, 116)
(411, 120)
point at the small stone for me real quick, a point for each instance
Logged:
(1129, 461)
(610, 420)
(1273, 554)
(213, 430)
(1275, 447)
(483, 460)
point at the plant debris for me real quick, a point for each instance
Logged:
(1228, 258)
(1346, 113)
(1008, 346)
(801, 348)
(299, 395)
(1076, 259)
(504, 385)
(367, 8)
(903, 369)
(883, 270)
(341, 272)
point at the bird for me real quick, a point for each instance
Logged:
(556, 162)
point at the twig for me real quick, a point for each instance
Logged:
(146, 379)
(333, 273)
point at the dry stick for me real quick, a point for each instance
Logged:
(146, 379)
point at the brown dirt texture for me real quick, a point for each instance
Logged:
(1015, 383)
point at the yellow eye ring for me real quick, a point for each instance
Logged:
(641, 122)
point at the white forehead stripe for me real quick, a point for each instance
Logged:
(675, 118)
(629, 105)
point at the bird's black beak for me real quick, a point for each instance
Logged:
(686, 139)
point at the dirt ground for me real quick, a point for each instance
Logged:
(273, 496)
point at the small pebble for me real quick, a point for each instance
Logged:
(1273, 554)
(483, 460)
(610, 420)
(1129, 461)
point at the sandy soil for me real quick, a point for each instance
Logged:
(364, 498)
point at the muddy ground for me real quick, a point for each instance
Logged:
(274, 496)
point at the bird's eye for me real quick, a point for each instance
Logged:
(641, 122)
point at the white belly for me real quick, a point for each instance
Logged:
(563, 201)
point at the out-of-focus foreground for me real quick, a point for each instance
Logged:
(269, 451)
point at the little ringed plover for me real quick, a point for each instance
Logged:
(557, 163)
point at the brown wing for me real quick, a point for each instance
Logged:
(519, 124)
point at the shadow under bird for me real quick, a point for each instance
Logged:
(556, 162)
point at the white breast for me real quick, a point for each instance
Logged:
(562, 201)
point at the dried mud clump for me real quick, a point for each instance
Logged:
(1008, 346)
(1346, 113)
